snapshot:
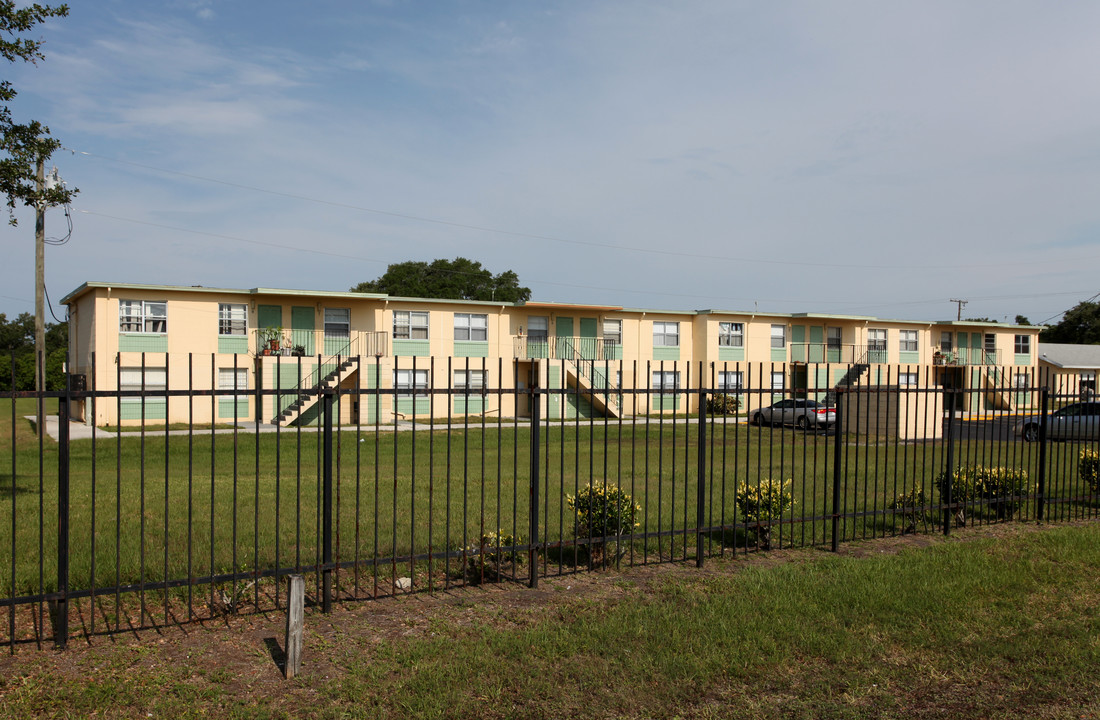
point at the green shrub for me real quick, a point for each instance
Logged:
(763, 503)
(1088, 464)
(1001, 488)
(495, 554)
(602, 513)
(911, 503)
(723, 404)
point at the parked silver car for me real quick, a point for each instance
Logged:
(803, 414)
(1076, 421)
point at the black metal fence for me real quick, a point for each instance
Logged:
(142, 526)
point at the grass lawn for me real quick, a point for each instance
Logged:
(997, 622)
(148, 509)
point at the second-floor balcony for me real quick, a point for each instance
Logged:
(557, 347)
(291, 342)
(965, 356)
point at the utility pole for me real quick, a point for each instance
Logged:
(40, 293)
(961, 304)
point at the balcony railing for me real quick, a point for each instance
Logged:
(558, 347)
(827, 353)
(965, 356)
(310, 343)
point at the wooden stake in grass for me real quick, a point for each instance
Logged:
(295, 623)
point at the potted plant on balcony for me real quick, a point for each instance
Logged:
(269, 338)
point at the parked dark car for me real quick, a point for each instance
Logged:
(1076, 421)
(803, 414)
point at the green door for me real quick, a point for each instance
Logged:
(816, 349)
(798, 343)
(586, 343)
(563, 331)
(268, 316)
(301, 328)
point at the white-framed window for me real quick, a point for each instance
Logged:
(779, 336)
(779, 380)
(1021, 380)
(946, 342)
(142, 316)
(666, 334)
(233, 379)
(613, 332)
(832, 338)
(907, 340)
(337, 322)
(731, 334)
(469, 326)
(153, 380)
(474, 380)
(876, 340)
(907, 379)
(1022, 344)
(666, 382)
(1087, 382)
(409, 325)
(232, 319)
(990, 343)
(538, 328)
(729, 382)
(411, 382)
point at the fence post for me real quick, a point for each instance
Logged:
(701, 471)
(838, 434)
(1044, 407)
(949, 472)
(326, 559)
(61, 609)
(533, 509)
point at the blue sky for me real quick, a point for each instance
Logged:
(843, 157)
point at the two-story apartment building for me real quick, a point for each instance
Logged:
(418, 357)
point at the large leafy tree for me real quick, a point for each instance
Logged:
(17, 353)
(24, 144)
(1079, 326)
(458, 279)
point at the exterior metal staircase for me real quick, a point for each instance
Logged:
(850, 378)
(585, 376)
(306, 399)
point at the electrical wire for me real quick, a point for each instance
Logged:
(49, 304)
(68, 236)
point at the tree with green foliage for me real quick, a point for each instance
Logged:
(1022, 320)
(1079, 326)
(17, 353)
(25, 144)
(458, 279)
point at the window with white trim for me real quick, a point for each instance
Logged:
(731, 334)
(779, 336)
(1022, 380)
(907, 340)
(337, 322)
(729, 382)
(876, 340)
(152, 380)
(473, 380)
(1022, 344)
(946, 342)
(233, 379)
(469, 326)
(907, 379)
(666, 382)
(411, 382)
(990, 342)
(538, 328)
(666, 334)
(1087, 382)
(142, 316)
(613, 332)
(410, 325)
(779, 380)
(232, 319)
(832, 338)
